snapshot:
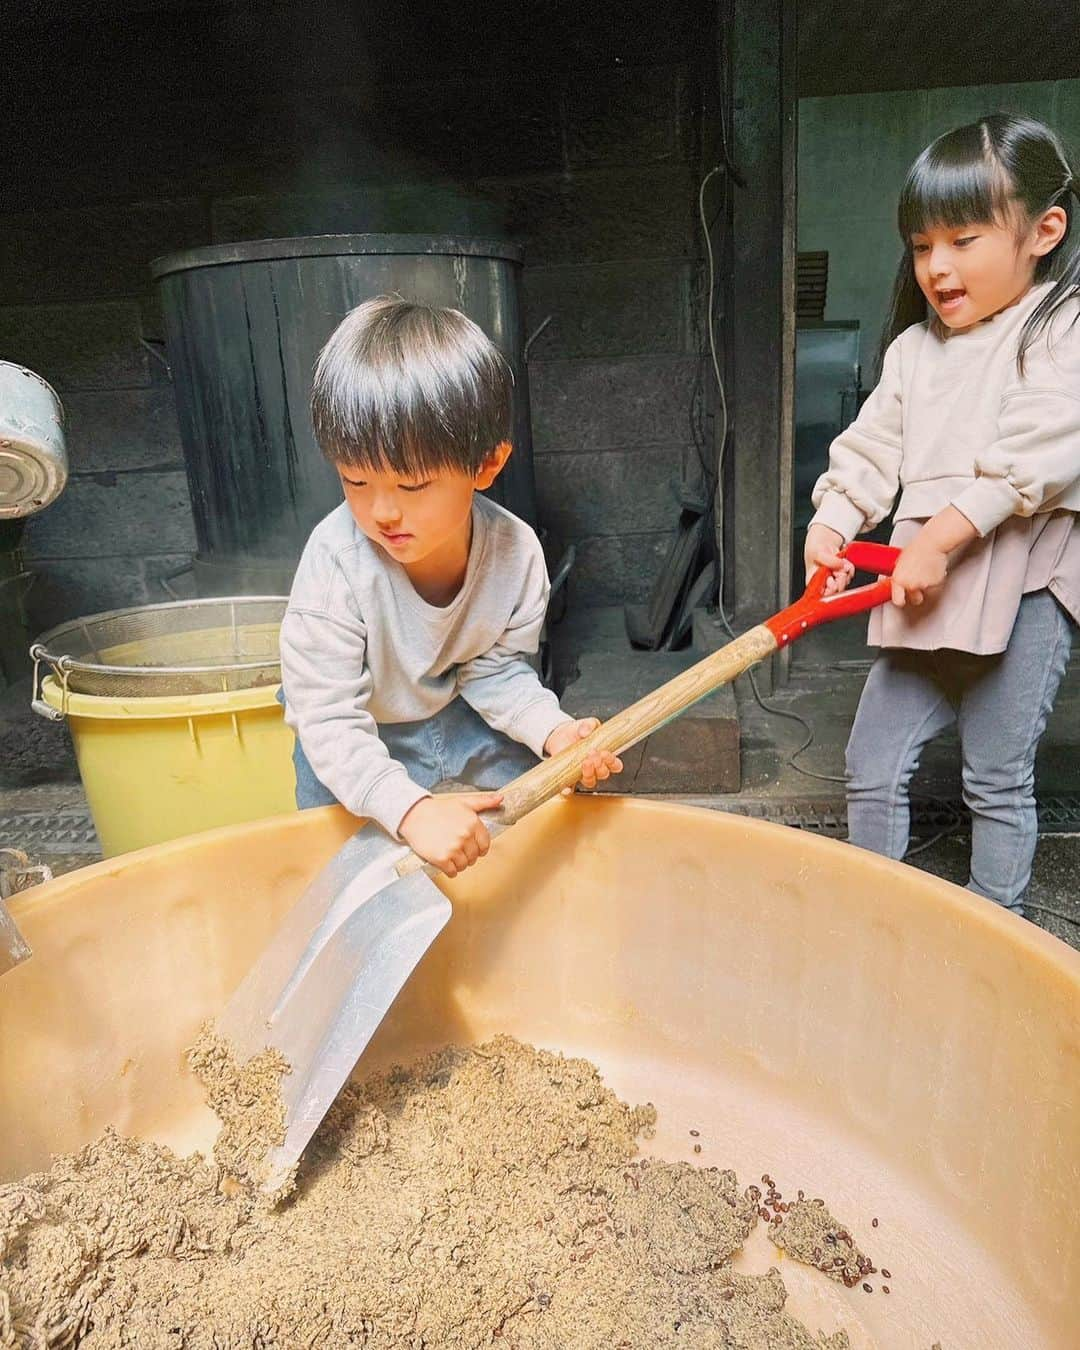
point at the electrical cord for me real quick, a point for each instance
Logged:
(769, 708)
(1055, 913)
(928, 843)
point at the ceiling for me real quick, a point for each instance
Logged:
(846, 48)
(843, 47)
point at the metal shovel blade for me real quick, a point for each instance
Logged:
(328, 977)
(13, 947)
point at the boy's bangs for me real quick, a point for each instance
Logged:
(406, 454)
(413, 416)
(947, 188)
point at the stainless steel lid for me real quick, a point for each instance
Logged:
(33, 451)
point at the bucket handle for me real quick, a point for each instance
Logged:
(29, 578)
(533, 336)
(172, 576)
(157, 350)
(60, 669)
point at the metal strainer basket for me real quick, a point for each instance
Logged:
(184, 647)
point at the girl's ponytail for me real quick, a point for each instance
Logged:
(907, 306)
(1062, 266)
(978, 173)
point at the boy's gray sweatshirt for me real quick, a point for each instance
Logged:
(359, 647)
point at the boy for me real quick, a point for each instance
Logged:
(416, 603)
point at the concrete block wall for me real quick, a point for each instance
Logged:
(854, 152)
(205, 125)
(124, 518)
(71, 312)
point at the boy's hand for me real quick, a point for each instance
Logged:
(822, 549)
(600, 764)
(920, 568)
(447, 831)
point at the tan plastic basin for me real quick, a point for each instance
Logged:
(846, 1024)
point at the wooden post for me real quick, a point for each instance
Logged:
(759, 326)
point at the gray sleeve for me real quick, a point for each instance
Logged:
(327, 689)
(501, 685)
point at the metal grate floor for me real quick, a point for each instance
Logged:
(46, 834)
(929, 815)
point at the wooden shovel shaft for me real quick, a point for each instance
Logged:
(633, 724)
(625, 729)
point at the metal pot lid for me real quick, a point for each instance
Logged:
(29, 481)
(33, 457)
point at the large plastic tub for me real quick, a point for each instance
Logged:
(158, 768)
(844, 1023)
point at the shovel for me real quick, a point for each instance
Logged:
(344, 951)
(15, 868)
(13, 948)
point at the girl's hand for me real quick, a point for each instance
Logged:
(923, 565)
(823, 547)
(598, 765)
(447, 831)
(920, 569)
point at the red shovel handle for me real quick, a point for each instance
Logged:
(867, 557)
(815, 607)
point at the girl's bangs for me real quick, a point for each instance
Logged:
(946, 192)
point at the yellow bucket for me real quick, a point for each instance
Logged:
(159, 768)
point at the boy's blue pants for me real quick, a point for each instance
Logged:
(456, 745)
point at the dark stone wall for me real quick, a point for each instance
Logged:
(148, 127)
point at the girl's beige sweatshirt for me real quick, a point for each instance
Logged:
(952, 421)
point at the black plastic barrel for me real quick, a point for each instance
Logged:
(243, 326)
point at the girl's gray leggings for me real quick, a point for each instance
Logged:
(999, 705)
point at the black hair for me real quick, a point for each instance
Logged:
(980, 173)
(410, 389)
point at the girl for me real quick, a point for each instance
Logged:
(976, 423)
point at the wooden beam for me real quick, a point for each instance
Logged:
(759, 322)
